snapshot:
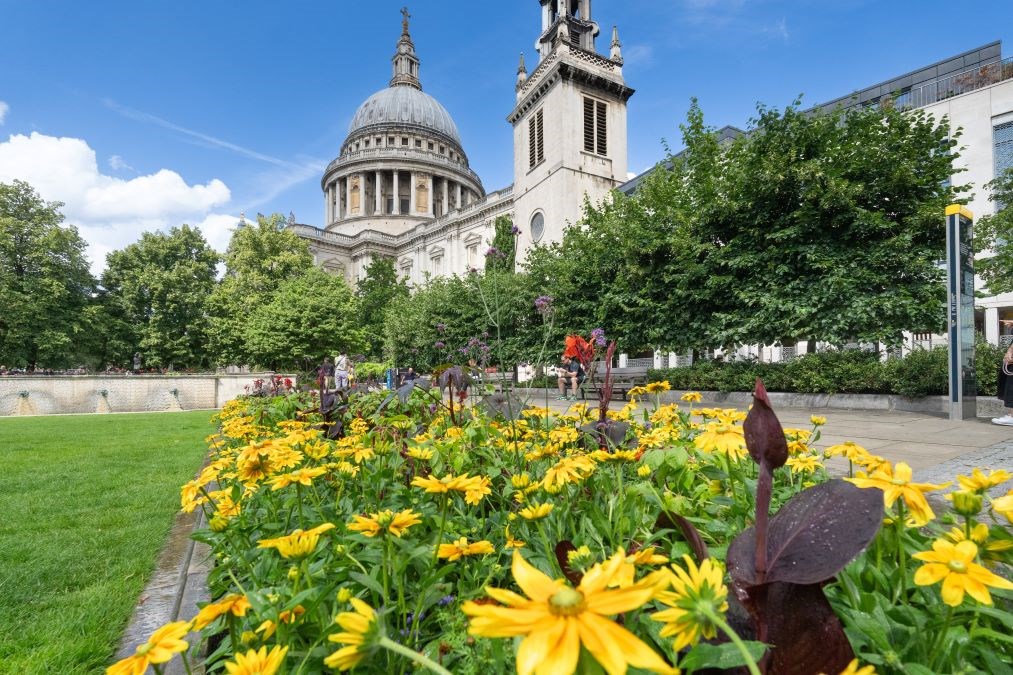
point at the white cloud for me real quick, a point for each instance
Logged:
(110, 212)
(4, 108)
(117, 163)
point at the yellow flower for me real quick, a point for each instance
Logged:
(896, 482)
(520, 480)
(615, 455)
(299, 544)
(358, 426)
(568, 470)
(645, 556)
(851, 450)
(655, 438)
(855, 668)
(797, 448)
(511, 542)
(358, 634)
(479, 488)
(285, 457)
(234, 604)
(580, 558)
(990, 550)
(317, 450)
(979, 482)
(258, 662)
(954, 565)
(803, 464)
(817, 420)
(448, 483)
(692, 397)
(658, 387)
(461, 548)
(726, 439)
(385, 521)
(159, 648)
(536, 511)
(697, 593)
(557, 620)
(344, 595)
(300, 476)
(644, 471)
(422, 454)
(1004, 505)
(563, 435)
(255, 467)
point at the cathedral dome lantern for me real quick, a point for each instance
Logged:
(402, 162)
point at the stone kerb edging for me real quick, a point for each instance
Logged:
(178, 583)
(988, 406)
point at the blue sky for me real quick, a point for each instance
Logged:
(142, 115)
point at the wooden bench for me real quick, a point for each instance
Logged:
(623, 380)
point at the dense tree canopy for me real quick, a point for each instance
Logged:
(45, 282)
(155, 293)
(994, 234)
(309, 317)
(261, 256)
(377, 291)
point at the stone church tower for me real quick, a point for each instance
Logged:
(569, 124)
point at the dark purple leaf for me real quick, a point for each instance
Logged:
(673, 521)
(506, 406)
(562, 549)
(615, 433)
(764, 435)
(813, 536)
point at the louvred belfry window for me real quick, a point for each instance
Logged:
(536, 142)
(595, 127)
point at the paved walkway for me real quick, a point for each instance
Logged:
(932, 446)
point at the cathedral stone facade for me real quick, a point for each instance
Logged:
(402, 188)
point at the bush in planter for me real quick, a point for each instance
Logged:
(921, 373)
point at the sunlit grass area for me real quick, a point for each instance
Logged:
(86, 503)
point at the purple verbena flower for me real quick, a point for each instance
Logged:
(439, 345)
(440, 327)
(598, 335)
(515, 230)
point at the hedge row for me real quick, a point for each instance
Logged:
(920, 373)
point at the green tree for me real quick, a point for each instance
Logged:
(309, 317)
(156, 290)
(45, 282)
(377, 291)
(994, 234)
(261, 256)
(503, 252)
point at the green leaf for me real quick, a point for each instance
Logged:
(722, 656)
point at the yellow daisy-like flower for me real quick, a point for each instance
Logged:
(563, 435)
(358, 426)
(448, 483)
(692, 397)
(636, 392)
(510, 541)
(989, 550)
(571, 469)
(803, 464)
(979, 482)
(817, 420)
(256, 467)
(234, 604)
(520, 480)
(461, 548)
(421, 454)
(536, 511)
(284, 456)
(855, 668)
(359, 632)
(358, 453)
(299, 544)
(644, 471)
(726, 439)
(666, 414)
(556, 620)
(480, 487)
(895, 482)
(385, 521)
(257, 662)
(159, 648)
(658, 387)
(300, 476)
(849, 449)
(626, 573)
(797, 448)
(615, 455)
(696, 594)
(656, 437)
(1004, 505)
(954, 565)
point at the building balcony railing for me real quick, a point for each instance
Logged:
(952, 85)
(426, 156)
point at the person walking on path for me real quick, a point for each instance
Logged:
(341, 370)
(1005, 389)
(326, 373)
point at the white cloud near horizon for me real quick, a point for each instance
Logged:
(112, 212)
(117, 163)
(4, 109)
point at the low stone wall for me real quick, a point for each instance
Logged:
(28, 395)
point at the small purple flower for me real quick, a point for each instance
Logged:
(543, 303)
(598, 335)
(515, 230)
(440, 327)
(494, 252)
(439, 345)
(432, 408)
(446, 600)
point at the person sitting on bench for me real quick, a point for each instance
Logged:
(572, 375)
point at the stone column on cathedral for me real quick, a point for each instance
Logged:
(397, 196)
(327, 205)
(362, 193)
(411, 193)
(430, 196)
(348, 196)
(459, 204)
(446, 196)
(378, 193)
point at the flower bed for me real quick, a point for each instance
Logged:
(426, 532)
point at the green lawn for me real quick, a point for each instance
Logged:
(86, 502)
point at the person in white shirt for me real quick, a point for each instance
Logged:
(341, 370)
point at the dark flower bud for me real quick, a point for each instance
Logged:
(764, 435)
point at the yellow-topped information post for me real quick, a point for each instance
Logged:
(960, 312)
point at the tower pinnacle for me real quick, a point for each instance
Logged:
(406, 63)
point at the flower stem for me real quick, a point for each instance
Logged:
(733, 636)
(901, 558)
(439, 534)
(942, 637)
(413, 655)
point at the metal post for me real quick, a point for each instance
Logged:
(960, 312)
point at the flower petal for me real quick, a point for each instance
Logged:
(931, 573)
(534, 649)
(562, 656)
(620, 646)
(535, 583)
(953, 589)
